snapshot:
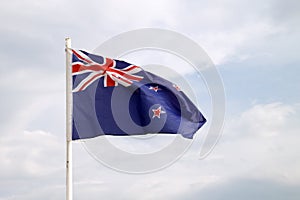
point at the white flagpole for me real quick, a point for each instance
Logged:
(69, 107)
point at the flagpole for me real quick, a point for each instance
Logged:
(69, 102)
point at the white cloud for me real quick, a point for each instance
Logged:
(28, 94)
(263, 120)
(258, 141)
(30, 160)
(32, 154)
(223, 46)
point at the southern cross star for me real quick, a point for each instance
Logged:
(157, 112)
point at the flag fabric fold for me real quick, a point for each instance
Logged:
(113, 97)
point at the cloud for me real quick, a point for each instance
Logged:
(32, 148)
(27, 97)
(263, 120)
(226, 30)
(261, 142)
(30, 160)
(245, 189)
(233, 31)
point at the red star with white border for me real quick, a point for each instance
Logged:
(176, 87)
(157, 112)
(154, 88)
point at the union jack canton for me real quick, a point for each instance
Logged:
(82, 64)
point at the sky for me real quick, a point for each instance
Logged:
(255, 48)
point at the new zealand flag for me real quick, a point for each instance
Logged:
(113, 97)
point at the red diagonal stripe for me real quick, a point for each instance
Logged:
(128, 76)
(79, 56)
(91, 79)
(130, 68)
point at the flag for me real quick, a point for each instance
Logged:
(113, 97)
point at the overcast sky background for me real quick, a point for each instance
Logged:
(255, 46)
